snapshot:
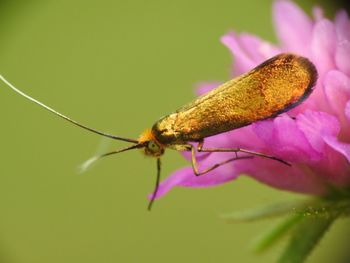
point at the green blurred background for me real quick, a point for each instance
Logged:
(119, 66)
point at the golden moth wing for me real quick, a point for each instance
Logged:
(274, 86)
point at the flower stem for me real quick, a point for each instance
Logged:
(305, 237)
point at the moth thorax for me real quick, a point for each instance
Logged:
(163, 129)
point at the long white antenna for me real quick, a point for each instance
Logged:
(63, 116)
(95, 158)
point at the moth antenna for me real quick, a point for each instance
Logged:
(95, 158)
(154, 195)
(100, 149)
(63, 116)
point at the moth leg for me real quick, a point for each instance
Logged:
(237, 150)
(195, 165)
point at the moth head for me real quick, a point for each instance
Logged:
(151, 146)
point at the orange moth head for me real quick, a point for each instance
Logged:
(151, 146)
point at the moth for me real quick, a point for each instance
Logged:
(273, 87)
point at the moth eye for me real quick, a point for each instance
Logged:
(153, 146)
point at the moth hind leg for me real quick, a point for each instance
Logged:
(209, 169)
(237, 150)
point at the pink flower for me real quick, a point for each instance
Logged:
(317, 141)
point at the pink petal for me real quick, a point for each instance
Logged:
(245, 138)
(317, 13)
(337, 89)
(323, 45)
(317, 127)
(296, 178)
(218, 176)
(205, 87)
(315, 124)
(293, 26)
(342, 25)
(340, 175)
(343, 148)
(186, 178)
(243, 62)
(285, 140)
(248, 51)
(342, 56)
(347, 110)
(256, 48)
